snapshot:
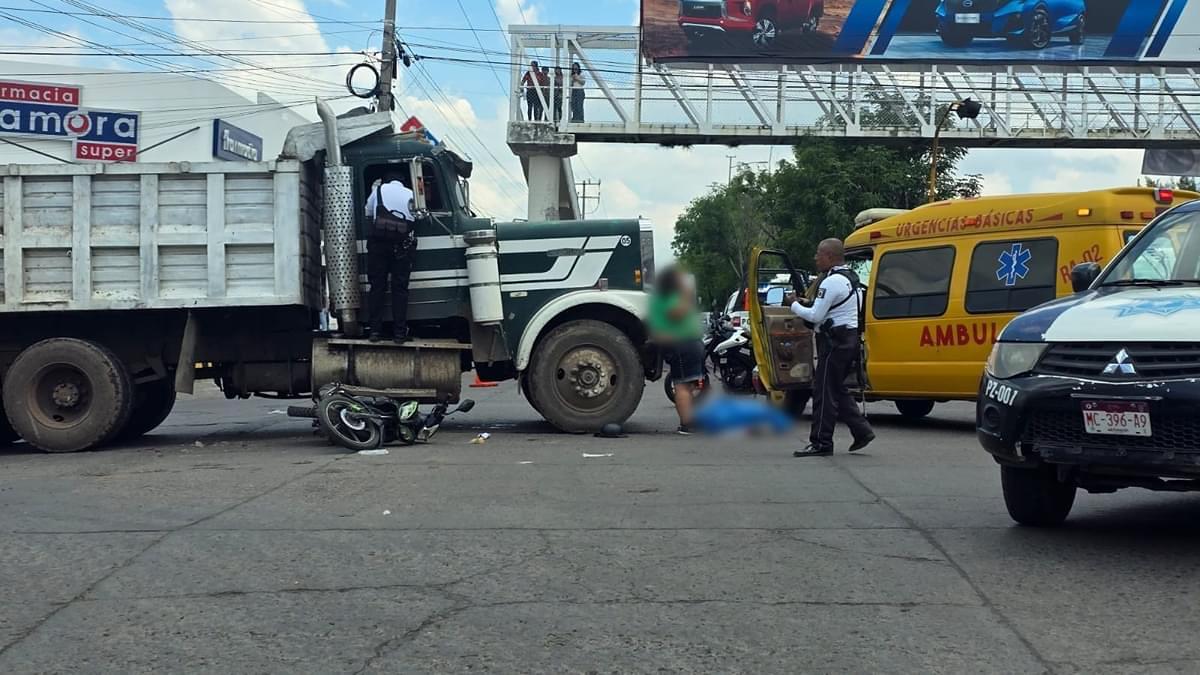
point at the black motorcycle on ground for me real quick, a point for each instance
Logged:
(364, 420)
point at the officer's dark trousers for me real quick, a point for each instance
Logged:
(386, 259)
(832, 402)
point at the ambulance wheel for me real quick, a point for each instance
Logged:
(1036, 497)
(586, 374)
(914, 410)
(67, 395)
(795, 402)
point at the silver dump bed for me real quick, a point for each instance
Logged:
(158, 236)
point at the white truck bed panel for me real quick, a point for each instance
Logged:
(128, 236)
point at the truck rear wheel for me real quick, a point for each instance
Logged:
(7, 435)
(67, 395)
(1036, 497)
(586, 374)
(153, 402)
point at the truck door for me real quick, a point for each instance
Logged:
(783, 345)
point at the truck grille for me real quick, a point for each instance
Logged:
(702, 10)
(1065, 429)
(1151, 361)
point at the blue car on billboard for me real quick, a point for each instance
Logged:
(1030, 23)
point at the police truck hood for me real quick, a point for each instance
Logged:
(1155, 314)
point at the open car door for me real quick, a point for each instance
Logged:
(783, 345)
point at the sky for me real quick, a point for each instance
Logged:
(311, 44)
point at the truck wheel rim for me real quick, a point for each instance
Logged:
(586, 378)
(61, 396)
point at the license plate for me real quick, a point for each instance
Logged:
(1116, 418)
(966, 18)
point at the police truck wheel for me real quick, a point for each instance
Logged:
(914, 410)
(1036, 497)
(153, 402)
(67, 395)
(586, 374)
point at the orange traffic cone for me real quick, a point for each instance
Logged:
(480, 384)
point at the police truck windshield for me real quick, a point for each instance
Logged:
(1167, 254)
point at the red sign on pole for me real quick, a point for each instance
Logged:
(413, 124)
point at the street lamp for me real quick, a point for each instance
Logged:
(966, 110)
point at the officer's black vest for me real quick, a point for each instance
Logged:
(855, 287)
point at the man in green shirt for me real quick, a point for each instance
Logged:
(674, 324)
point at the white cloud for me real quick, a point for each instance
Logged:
(515, 12)
(281, 78)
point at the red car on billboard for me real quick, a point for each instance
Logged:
(753, 23)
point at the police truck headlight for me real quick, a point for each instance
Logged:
(1010, 359)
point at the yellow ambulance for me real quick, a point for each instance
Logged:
(943, 280)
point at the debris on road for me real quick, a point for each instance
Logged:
(525, 462)
(481, 438)
(199, 444)
(373, 453)
(386, 512)
(590, 456)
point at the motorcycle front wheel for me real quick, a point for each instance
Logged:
(338, 416)
(698, 392)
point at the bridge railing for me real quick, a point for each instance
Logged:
(628, 98)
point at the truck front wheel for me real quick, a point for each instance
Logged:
(67, 395)
(586, 374)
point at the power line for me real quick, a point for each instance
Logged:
(478, 41)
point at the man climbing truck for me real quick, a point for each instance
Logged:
(119, 278)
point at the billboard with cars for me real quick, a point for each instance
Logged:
(930, 31)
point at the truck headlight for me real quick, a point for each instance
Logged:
(1010, 359)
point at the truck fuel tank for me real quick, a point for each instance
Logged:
(427, 370)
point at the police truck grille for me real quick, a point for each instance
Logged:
(1151, 361)
(1064, 429)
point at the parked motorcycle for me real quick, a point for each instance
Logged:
(360, 422)
(727, 352)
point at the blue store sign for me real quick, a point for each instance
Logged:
(234, 144)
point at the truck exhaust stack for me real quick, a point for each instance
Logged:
(341, 237)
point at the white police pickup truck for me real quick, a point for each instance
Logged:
(1101, 390)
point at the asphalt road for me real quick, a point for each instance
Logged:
(233, 541)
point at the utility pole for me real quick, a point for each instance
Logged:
(583, 186)
(388, 72)
(729, 181)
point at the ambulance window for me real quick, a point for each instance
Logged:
(913, 283)
(1012, 276)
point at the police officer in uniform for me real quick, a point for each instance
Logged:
(835, 314)
(391, 241)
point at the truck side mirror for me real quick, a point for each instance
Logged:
(1083, 275)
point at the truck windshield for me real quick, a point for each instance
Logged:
(1168, 254)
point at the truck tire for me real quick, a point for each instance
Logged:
(586, 374)
(67, 395)
(153, 402)
(914, 410)
(7, 435)
(1036, 497)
